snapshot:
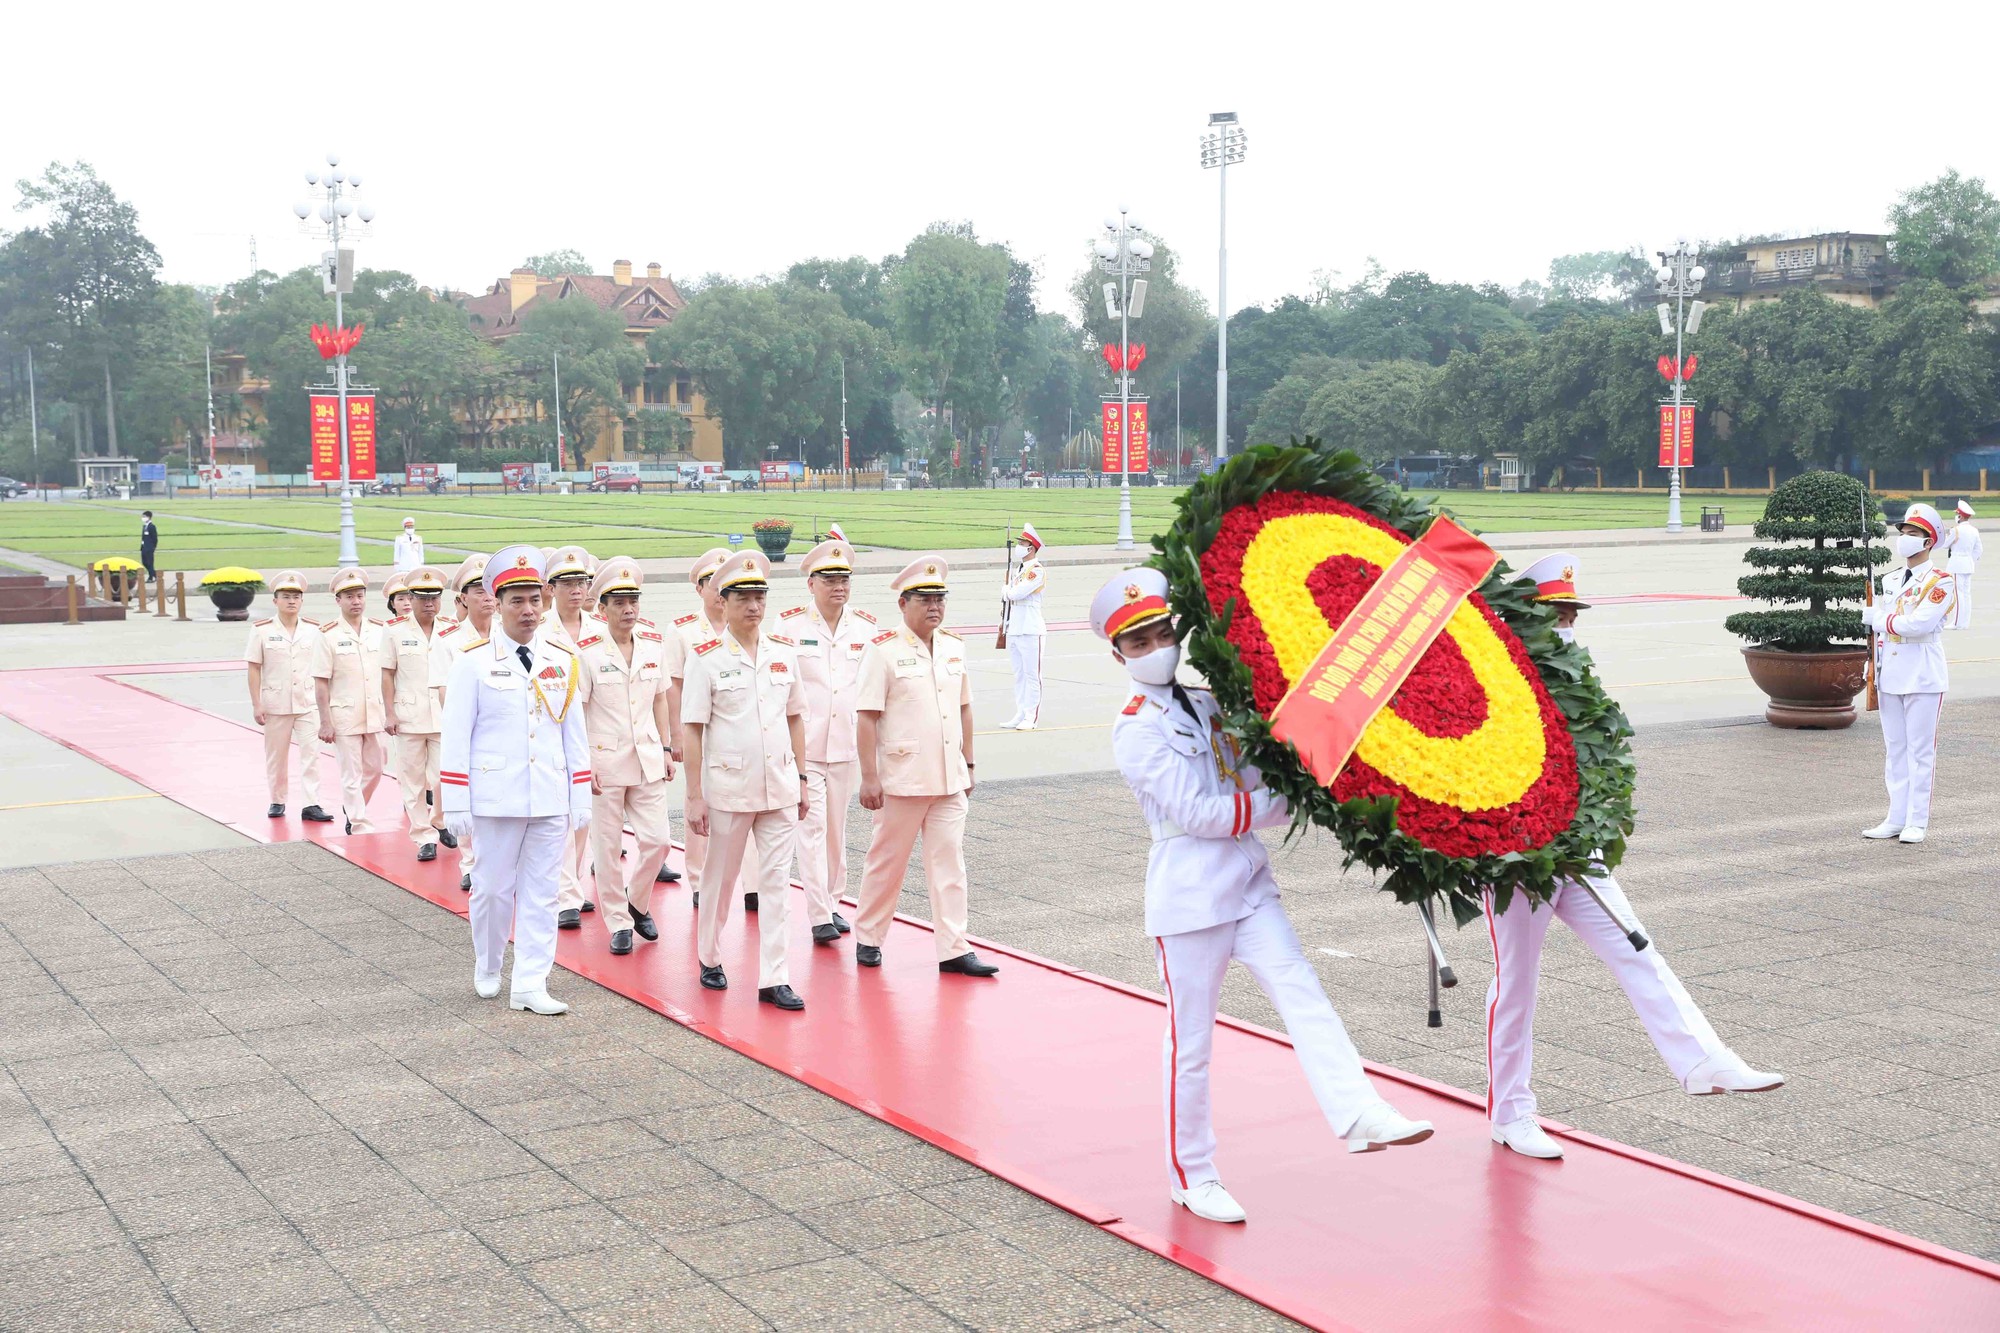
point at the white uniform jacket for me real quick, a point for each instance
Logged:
(514, 744)
(618, 696)
(1203, 803)
(1909, 619)
(1963, 548)
(745, 712)
(409, 552)
(1025, 590)
(830, 658)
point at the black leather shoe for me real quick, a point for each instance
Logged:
(621, 941)
(828, 934)
(349, 830)
(588, 907)
(277, 811)
(428, 852)
(643, 923)
(868, 955)
(782, 996)
(569, 919)
(447, 837)
(465, 883)
(713, 979)
(666, 876)
(749, 902)
(968, 964)
(312, 814)
(696, 895)
(840, 923)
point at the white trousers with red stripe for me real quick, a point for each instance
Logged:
(514, 892)
(1679, 1032)
(1192, 965)
(1909, 729)
(1024, 653)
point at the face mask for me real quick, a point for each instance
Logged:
(1909, 544)
(1567, 634)
(1156, 667)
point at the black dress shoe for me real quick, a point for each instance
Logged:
(277, 811)
(749, 902)
(447, 837)
(968, 964)
(349, 830)
(666, 876)
(588, 907)
(827, 934)
(696, 895)
(312, 814)
(428, 852)
(621, 941)
(868, 955)
(840, 923)
(643, 923)
(465, 883)
(569, 919)
(782, 996)
(713, 979)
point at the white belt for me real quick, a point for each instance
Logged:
(1167, 829)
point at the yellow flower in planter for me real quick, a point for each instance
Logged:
(232, 576)
(114, 563)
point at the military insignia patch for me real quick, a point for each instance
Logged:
(1937, 594)
(595, 638)
(883, 637)
(650, 637)
(710, 646)
(1132, 709)
(779, 638)
(862, 615)
(795, 611)
(687, 619)
(780, 669)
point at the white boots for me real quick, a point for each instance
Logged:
(1381, 1126)
(485, 987)
(1882, 831)
(1209, 1201)
(1527, 1138)
(536, 1001)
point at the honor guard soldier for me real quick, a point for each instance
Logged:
(1962, 550)
(281, 654)
(568, 572)
(409, 547)
(743, 721)
(625, 711)
(1026, 631)
(832, 642)
(1211, 897)
(913, 734)
(689, 632)
(396, 594)
(348, 668)
(411, 703)
(1910, 673)
(1599, 913)
(474, 625)
(517, 772)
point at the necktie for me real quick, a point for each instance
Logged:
(527, 658)
(1181, 698)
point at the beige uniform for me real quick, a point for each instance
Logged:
(830, 658)
(750, 780)
(577, 850)
(407, 655)
(349, 659)
(628, 758)
(687, 633)
(291, 710)
(919, 691)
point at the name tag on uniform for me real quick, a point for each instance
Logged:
(607, 668)
(346, 648)
(732, 679)
(909, 668)
(954, 667)
(808, 643)
(502, 679)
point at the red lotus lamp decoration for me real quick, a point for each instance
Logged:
(333, 342)
(1126, 360)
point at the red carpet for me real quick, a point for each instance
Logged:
(1049, 1078)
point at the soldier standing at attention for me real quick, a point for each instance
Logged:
(567, 576)
(474, 625)
(409, 547)
(1962, 550)
(517, 771)
(281, 654)
(743, 720)
(914, 736)
(625, 711)
(411, 701)
(832, 640)
(1910, 672)
(1026, 632)
(149, 541)
(348, 667)
(688, 633)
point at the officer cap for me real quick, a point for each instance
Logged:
(570, 562)
(1129, 599)
(1922, 518)
(829, 557)
(347, 578)
(1965, 509)
(425, 579)
(746, 571)
(927, 573)
(513, 566)
(834, 533)
(1031, 537)
(618, 574)
(1554, 577)
(288, 580)
(707, 563)
(469, 572)
(395, 583)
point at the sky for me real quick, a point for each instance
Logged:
(1474, 142)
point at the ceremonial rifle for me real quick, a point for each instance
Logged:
(1868, 599)
(1000, 639)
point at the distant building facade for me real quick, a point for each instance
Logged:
(1850, 267)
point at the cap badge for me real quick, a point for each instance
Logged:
(1569, 573)
(1132, 593)
(520, 562)
(930, 569)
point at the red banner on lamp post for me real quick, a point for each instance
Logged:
(1114, 438)
(1670, 436)
(361, 436)
(324, 436)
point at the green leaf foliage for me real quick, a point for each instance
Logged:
(1813, 583)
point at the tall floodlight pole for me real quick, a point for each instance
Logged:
(208, 383)
(555, 362)
(1124, 253)
(1680, 278)
(34, 430)
(1222, 147)
(337, 272)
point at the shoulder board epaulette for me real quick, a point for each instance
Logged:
(862, 614)
(1132, 709)
(398, 620)
(1198, 689)
(884, 636)
(948, 634)
(327, 626)
(651, 636)
(707, 647)
(480, 644)
(779, 638)
(793, 611)
(595, 638)
(642, 620)
(452, 628)
(262, 623)
(560, 647)
(687, 619)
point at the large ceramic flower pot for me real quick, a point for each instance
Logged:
(232, 603)
(774, 544)
(1813, 691)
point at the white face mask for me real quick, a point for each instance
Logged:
(1567, 633)
(1156, 667)
(1909, 544)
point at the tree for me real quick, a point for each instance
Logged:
(947, 301)
(420, 364)
(1281, 409)
(1614, 277)
(1932, 376)
(1948, 230)
(1375, 410)
(598, 366)
(1815, 507)
(557, 263)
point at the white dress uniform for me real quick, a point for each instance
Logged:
(285, 657)
(349, 658)
(1026, 632)
(448, 643)
(830, 658)
(687, 633)
(1911, 677)
(1962, 550)
(1211, 897)
(622, 691)
(406, 657)
(744, 696)
(517, 762)
(409, 548)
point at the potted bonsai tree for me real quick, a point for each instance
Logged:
(1808, 653)
(774, 535)
(232, 588)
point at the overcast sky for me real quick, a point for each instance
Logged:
(1473, 141)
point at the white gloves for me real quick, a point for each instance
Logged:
(579, 820)
(458, 823)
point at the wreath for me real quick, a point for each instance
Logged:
(1500, 762)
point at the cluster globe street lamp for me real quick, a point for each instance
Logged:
(1223, 147)
(1679, 278)
(1123, 253)
(337, 275)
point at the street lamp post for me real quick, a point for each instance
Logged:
(1124, 253)
(1222, 147)
(337, 269)
(1680, 277)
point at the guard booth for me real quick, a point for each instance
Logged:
(1510, 472)
(110, 478)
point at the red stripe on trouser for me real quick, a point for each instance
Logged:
(1173, 1067)
(1494, 1002)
